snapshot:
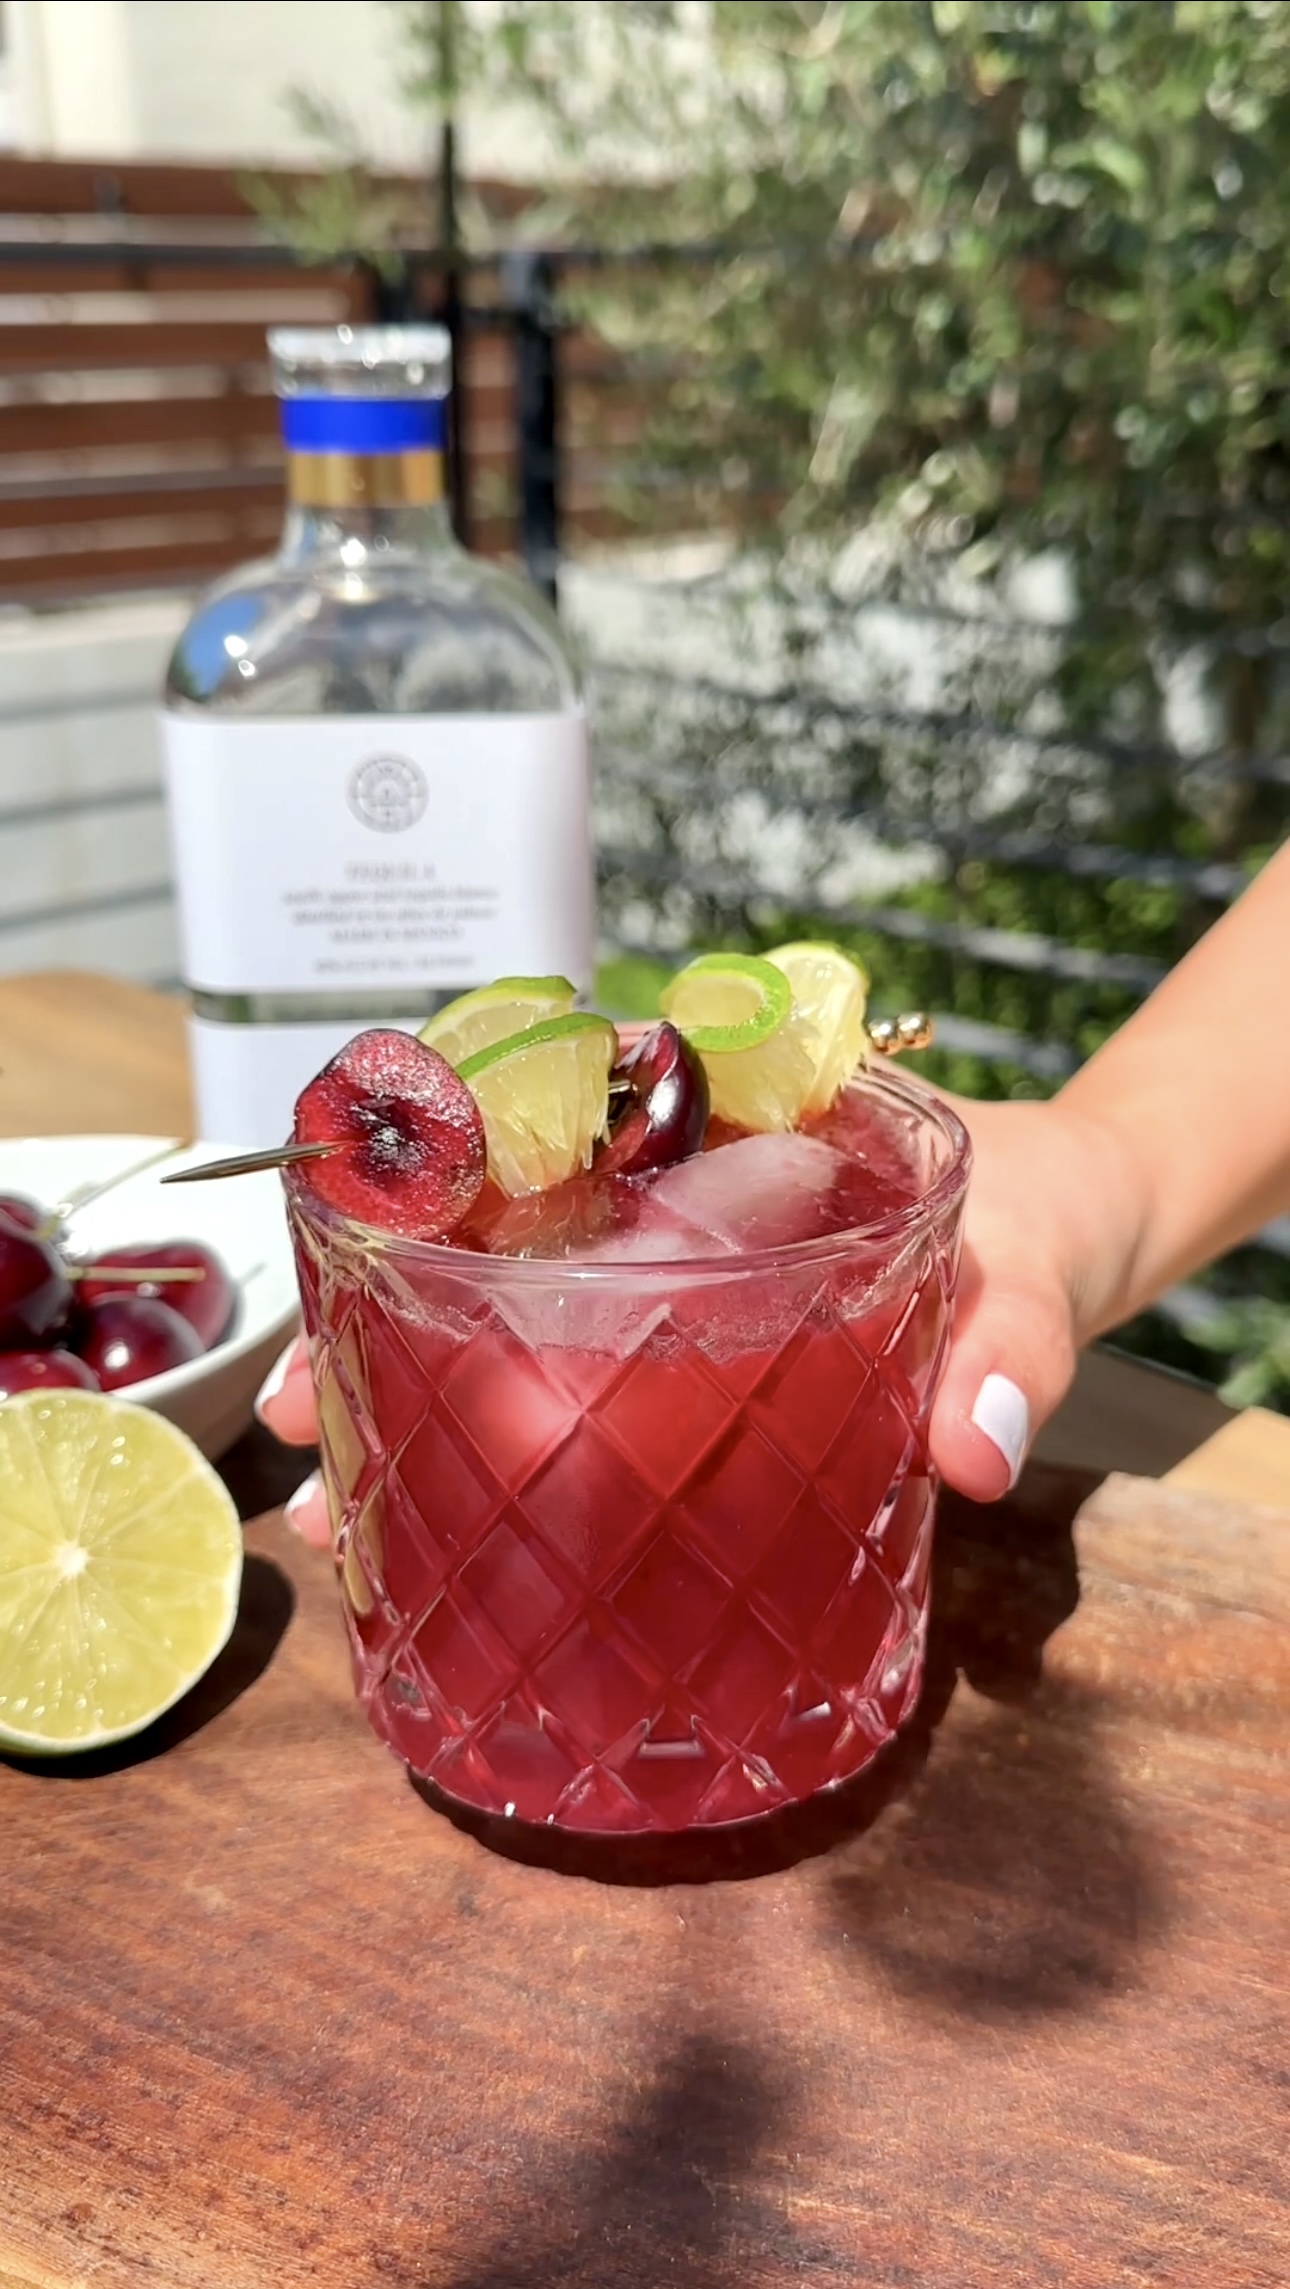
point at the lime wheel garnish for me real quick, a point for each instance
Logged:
(544, 1097)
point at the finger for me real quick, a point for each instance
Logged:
(1010, 1365)
(285, 1402)
(306, 1512)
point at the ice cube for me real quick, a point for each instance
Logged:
(760, 1192)
(656, 1236)
(568, 1222)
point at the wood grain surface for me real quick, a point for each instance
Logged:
(1010, 2011)
(82, 1054)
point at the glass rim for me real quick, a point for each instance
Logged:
(896, 1225)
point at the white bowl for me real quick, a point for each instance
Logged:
(241, 1217)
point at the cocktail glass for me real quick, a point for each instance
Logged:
(641, 1546)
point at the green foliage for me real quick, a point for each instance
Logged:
(938, 291)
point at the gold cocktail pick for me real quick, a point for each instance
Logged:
(889, 1035)
(246, 1163)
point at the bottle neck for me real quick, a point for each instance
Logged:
(345, 505)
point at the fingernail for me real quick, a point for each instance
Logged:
(272, 1383)
(1001, 1412)
(307, 1492)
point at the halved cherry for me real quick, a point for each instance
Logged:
(410, 1136)
(666, 1109)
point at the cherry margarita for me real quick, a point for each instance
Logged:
(630, 1488)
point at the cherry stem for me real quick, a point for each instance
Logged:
(140, 1272)
(85, 1193)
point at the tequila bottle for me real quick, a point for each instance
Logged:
(375, 750)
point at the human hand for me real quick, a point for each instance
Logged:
(1052, 1225)
(286, 1407)
(1053, 1216)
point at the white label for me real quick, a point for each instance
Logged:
(365, 853)
(246, 1078)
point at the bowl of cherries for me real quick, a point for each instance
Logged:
(111, 1281)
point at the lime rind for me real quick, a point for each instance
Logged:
(120, 1567)
(544, 1097)
(488, 1014)
(754, 1000)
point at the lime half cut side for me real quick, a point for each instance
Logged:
(736, 1012)
(544, 1095)
(830, 997)
(120, 1567)
(487, 1014)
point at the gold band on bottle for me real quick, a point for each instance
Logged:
(409, 480)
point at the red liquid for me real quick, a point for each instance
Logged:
(655, 1554)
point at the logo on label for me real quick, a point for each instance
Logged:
(388, 793)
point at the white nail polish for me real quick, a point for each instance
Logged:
(274, 1380)
(306, 1492)
(1001, 1412)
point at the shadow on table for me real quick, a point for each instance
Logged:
(1012, 1883)
(667, 2187)
(264, 1610)
(1004, 1579)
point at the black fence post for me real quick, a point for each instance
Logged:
(528, 289)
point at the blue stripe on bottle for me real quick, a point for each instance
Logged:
(363, 424)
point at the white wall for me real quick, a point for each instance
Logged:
(206, 81)
(84, 867)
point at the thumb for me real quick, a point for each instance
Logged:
(1011, 1363)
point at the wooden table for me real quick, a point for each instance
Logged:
(1011, 2011)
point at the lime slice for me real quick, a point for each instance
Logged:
(727, 1001)
(120, 1565)
(831, 994)
(474, 1021)
(544, 1095)
(736, 1010)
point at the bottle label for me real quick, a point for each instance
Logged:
(359, 853)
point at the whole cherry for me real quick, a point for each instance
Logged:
(128, 1339)
(663, 1091)
(44, 1371)
(206, 1298)
(35, 1292)
(23, 1211)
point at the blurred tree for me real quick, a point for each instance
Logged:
(926, 295)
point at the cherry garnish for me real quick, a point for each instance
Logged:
(410, 1150)
(666, 1108)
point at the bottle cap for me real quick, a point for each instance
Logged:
(363, 412)
(361, 389)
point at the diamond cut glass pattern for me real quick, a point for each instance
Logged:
(668, 1578)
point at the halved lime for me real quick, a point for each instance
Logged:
(830, 993)
(736, 1011)
(544, 1095)
(120, 1565)
(475, 1020)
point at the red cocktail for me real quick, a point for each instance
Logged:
(633, 1527)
